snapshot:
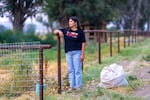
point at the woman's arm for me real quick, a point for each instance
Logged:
(60, 33)
(82, 52)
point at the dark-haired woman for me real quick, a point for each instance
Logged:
(74, 39)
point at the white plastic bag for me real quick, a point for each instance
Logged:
(112, 76)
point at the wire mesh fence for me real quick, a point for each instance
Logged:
(18, 75)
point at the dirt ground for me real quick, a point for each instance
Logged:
(137, 67)
(140, 69)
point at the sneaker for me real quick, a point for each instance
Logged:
(69, 90)
(78, 89)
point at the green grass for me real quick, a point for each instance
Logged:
(92, 72)
(147, 58)
(113, 95)
(51, 54)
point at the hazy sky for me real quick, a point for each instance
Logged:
(39, 27)
(5, 21)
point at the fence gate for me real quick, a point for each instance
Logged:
(18, 73)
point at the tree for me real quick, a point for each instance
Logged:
(60, 10)
(98, 12)
(134, 14)
(130, 14)
(145, 12)
(48, 25)
(93, 12)
(19, 10)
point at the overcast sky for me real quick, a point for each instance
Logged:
(39, 27)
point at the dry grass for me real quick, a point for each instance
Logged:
(5, 77)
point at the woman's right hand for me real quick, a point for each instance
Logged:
(60, 33)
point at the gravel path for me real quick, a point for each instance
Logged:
(141, 69)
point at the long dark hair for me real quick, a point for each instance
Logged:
(75, 19)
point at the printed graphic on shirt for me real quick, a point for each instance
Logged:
(72, 34)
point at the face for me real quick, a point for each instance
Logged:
(72, 23)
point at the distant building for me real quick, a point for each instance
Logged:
(92, 35)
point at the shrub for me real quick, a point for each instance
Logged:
(30, 37)
(49, 39)
(11, 37)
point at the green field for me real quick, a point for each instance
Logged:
(92, 71)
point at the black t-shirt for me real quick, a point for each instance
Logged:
(73, 39)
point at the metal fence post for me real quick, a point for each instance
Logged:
(118, 41)
(132, 34)
(59, 63)
(128, 32)
(99, 48)
(111, 44)
(135, 33)
(41, 72)
(124, 39)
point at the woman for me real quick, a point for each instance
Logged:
(74, 39)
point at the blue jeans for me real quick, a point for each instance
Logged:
(74, 68)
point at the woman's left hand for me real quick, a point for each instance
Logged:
(82, 58)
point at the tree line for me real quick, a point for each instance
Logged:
(128, 14)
